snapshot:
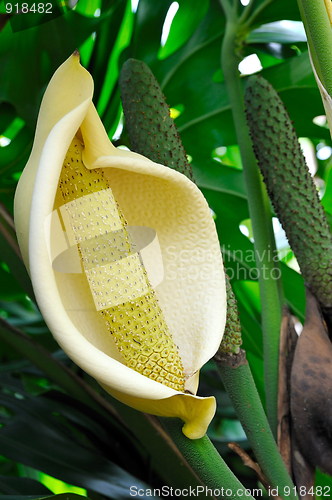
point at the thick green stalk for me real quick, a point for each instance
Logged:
(261, 222)
(247, 21)
(319, 33)
(206, 462)
(274, 251)
(240, 387)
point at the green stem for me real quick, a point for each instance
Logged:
(274, 251)
(319, 33)
(261, 222)
(206, 462)
(255, 14)
(240, 387)
(226, 5)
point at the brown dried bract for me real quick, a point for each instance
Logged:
(311, 390)
(288, 339)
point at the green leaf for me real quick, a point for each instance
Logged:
(189, 15)
(57, 372)
(294, 290)
(227, 430)
(268, 11)
(88, 7)
(219, 177)
(112, 112)
(7, 115)
(61, 441)
(177, 474)
(257, 370)
(109, 82)
(278, 33)
(104, 47)
(13, 158)
(296, 85)
(271, 54)
(22, 485)
(62, 496)
(148, 27)
(21, 497)
(31, 56)
(207, 123)
(322, 481)
(9, 253)
(251, 329)
(327, 198)
(10, 288)
(147, 35)
(161, 450)
(66, 496)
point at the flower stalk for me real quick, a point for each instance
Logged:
(202, 456)
(260, 219)
(236, 376)
(317, 17)
(317, 20)
(238, 381)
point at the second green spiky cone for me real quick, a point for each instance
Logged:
(232, 339)
(290, 186)
(150, 127)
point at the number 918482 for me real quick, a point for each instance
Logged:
(24, 8)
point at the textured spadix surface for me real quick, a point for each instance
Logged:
(290, 186)
(117, 278)
(182, 257)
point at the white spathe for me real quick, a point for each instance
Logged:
(192, 292)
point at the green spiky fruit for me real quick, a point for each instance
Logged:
(290, 186)
(231, 341)
(153, 133)
(150, 127)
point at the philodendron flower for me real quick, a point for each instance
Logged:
(141, 323)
